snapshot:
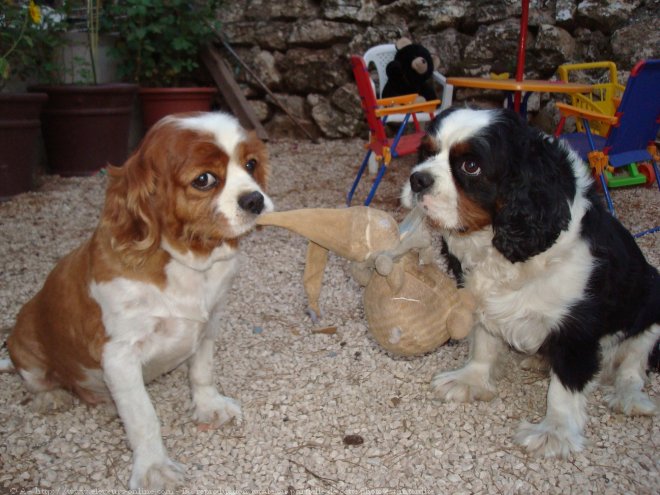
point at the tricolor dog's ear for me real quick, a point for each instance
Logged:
(427, 148)
(534, 197)
(428, 145)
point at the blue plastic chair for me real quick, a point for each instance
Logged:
(631, 138)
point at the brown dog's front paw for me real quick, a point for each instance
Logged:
(156, 476)
(217, 410)
(52, 401)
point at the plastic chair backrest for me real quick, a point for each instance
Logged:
(603, 98)
(380, 56)
(639, 110)
(368, 98)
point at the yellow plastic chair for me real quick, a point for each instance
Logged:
(604, 97)
(630, 146)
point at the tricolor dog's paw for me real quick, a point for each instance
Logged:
(548, 440)
(463, 385)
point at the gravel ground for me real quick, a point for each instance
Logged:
(308, 398)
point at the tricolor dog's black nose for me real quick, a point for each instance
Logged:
(421, 181)
(252, 202)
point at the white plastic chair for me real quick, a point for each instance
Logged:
(379, 56)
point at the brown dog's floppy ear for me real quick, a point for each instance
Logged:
(129, 211)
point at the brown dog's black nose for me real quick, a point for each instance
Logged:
(252, 202)
(420, 181)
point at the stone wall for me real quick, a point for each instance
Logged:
(300, 48)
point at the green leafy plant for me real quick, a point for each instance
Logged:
(160, 40)
(29, 34)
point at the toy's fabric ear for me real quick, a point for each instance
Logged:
(402, 42)
(535, 198)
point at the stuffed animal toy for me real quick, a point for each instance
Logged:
(410, 71)
(411, 306)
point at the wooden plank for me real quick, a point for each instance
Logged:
(231, 92)
(265, 88)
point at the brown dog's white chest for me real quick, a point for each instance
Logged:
(162, 327)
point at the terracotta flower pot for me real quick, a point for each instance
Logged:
(156, 103)
(19, 129)
(86, 128)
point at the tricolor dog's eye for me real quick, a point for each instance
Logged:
(251, 165)
(205, 181)
(470, 167)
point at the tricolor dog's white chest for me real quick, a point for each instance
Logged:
(523, 302)
(163, 326)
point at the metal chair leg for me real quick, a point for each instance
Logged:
(608, 198)
(656, 169)
(372, 192)
(349, 197)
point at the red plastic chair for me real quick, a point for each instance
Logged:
(630, 141)
(376, 112)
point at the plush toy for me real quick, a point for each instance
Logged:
(411, 306)
(410, 71)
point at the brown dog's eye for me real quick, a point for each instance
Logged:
(205, 182)
(251, 165)
(471, 168)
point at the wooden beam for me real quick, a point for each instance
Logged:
(231, 92)
(228, 47)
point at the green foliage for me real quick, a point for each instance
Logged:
(160, 40)
(29, 34)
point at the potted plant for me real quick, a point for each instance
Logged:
(158, 47)
(85, 122)
(27, 37)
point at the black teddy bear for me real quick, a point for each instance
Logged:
(410, 71)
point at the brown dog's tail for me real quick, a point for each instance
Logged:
(6, 366)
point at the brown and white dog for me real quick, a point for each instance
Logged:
(135, 301)
(553, 272)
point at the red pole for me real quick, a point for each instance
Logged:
(522, 41)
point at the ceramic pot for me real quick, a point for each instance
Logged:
(19, 130)
(156, 103)
(86, 128)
